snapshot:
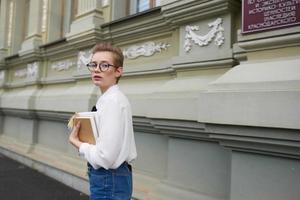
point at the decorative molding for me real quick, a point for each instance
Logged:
(62, 65)
(268, 141)
(269, 40)
(30, 72)
(147, 49)
(84, 58)
(216, 31)
(21, 73)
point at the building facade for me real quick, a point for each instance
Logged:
(216, 111)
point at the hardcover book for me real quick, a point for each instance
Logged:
(88, 129)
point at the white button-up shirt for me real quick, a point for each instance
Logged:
(115, 143)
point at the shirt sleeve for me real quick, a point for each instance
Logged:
(111, 134)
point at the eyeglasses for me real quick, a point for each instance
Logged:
(102, 66)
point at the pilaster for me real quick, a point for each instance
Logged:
(33, 35)
(54, 22)
(86, 27)
(4, 6)
(17, 36)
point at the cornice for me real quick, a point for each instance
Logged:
(180, 12)
(167, 70)
(269, 40)
(36, 114)
(262, 140)
(141, 25)
(53, 115)
(23, 58)
(85, 40)
(178, 65)
(56, 48)
(30, 56)
(172, 128)
(23, 113)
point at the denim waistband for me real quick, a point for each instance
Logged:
(101, 168)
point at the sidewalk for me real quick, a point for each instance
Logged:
(19, 182)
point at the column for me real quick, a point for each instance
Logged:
(18, 31)
(88, 19)
(119, 9)
(54, 29)
(34, 33)
(67, 16)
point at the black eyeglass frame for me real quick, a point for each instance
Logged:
(92, 66)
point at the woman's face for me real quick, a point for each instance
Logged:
(105, 79)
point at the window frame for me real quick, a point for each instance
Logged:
(152, 4)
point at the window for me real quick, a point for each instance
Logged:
(129, 7)
(146, 4)
(57, 18)
(26, 20)
(68, 14)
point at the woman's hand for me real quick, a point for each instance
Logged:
(73, 138)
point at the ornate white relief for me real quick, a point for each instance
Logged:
(21, 73)
(216, 31)
(146, 49)
(84, 57)
(62, 65)
(32, 70)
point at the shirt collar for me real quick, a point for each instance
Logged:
(110, 90)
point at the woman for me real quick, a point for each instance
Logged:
(109, 171)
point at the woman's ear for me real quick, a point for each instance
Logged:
(119, 72)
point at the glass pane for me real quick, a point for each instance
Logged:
(143, 5)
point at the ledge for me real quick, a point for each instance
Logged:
(269, 39)
(139, 26)
(270, 141)
(181, 12)
(130, 17)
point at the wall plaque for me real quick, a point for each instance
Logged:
(262, 15)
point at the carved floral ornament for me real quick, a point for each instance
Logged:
(216, 32)
(145, 49)
(62, 65)
(30, 72)
(83, 58)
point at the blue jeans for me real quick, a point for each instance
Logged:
(111, 184)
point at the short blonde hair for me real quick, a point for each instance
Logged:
(116, 51)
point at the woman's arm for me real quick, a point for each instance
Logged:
(111, 134)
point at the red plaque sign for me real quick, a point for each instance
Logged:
(262, 15)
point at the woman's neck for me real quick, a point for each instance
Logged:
(104, 89)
